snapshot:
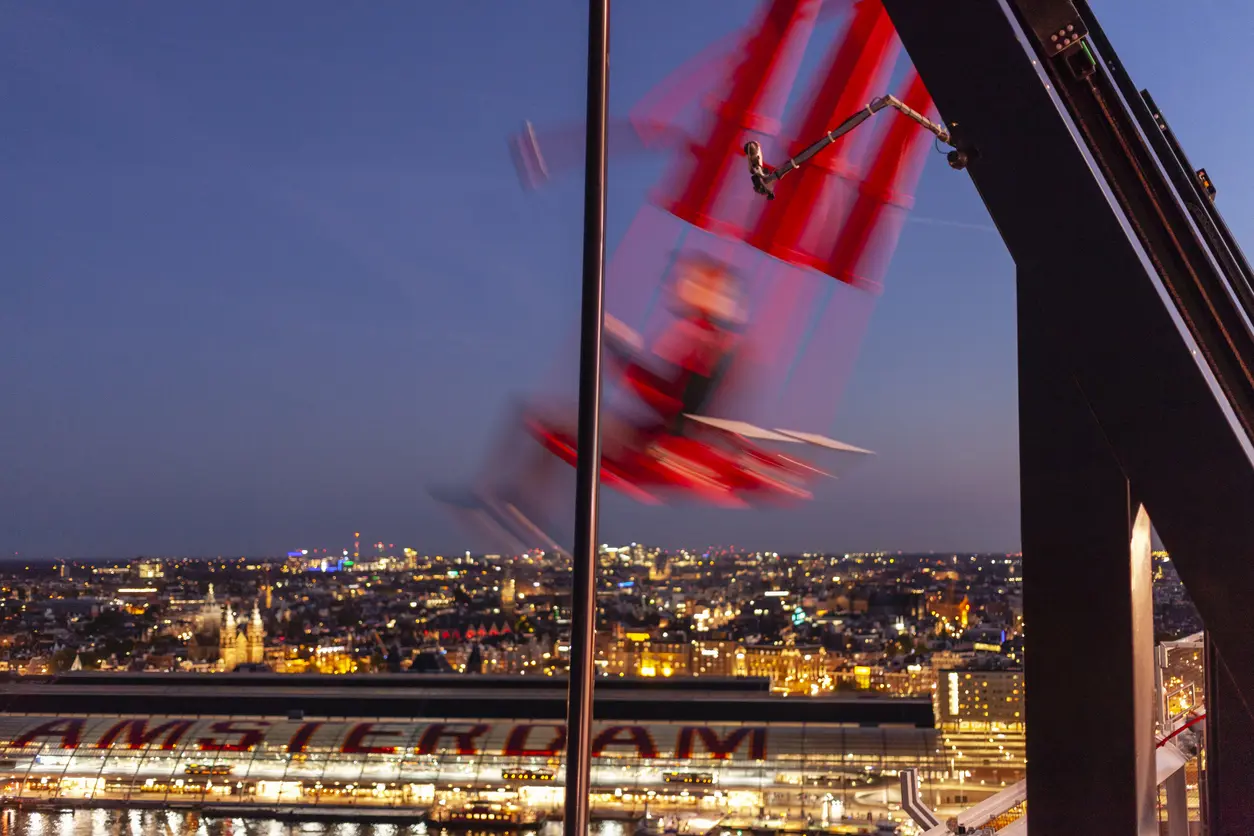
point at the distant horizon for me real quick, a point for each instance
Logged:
(20, 558)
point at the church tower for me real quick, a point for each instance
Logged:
(209, 618)
(255, 638)
(228, 641)
(509, 593)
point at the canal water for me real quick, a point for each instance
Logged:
(180, 823)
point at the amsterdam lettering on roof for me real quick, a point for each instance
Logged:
(388, 738)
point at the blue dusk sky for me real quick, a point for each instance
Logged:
(268, 272)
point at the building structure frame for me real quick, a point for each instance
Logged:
(1135, 393)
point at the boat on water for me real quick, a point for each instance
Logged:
(675, 825)
(780, 826)
(484, 815)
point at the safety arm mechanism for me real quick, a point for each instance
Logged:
(764, 177)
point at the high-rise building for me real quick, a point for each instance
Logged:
(980, 715)
(973, 698)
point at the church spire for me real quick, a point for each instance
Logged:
(255, 637)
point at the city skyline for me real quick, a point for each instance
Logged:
(709, 664)
(247, 303)
(365, 554)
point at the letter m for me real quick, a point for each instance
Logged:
(138, 735)
(724, 748)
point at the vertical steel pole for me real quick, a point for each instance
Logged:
(588, 466)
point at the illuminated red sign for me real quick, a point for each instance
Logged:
(241, 735)
(298, 741)
(434, 735)
(721, 748)
(544, 740)
(138, 735)
(637, 737)
(516, 745)
(69, 730)
(362, 739)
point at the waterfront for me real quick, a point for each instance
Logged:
(99, 822)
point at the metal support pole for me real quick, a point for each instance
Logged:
(588, 465)
(1177, 804)
(1093, 752)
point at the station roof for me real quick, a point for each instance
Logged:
(415, 696)
(139, 740)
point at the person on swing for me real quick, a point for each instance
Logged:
(689, 361)
(680, 375)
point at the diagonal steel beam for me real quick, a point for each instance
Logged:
(1160, 373)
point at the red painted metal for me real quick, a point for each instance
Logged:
(1199, 718)
(656, 121)
(856, 66)
(755, 99)
(892, 176)
(825, 218)
(720, 469)
(658, 112)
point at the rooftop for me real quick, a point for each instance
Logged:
(450, 695)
